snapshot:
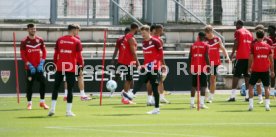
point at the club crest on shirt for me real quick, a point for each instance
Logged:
(37, 40)
(216, 40)
(5, 75)
(150, 42)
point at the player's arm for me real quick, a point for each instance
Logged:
(224, 50)
(132, 43)
(43, 49)
(271, 59)
(23, 52)
(251, 58)
(79, 54)
(56, 53)
(235, 47)
(163, 59)
(207, 56)
(115, 52)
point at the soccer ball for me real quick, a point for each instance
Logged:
(111, 85)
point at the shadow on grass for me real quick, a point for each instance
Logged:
(230, 111)
(175, 108)
(7, 110)
(118, 115)
(36, 117)
(129, 106)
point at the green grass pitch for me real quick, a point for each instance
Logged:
(222, 119)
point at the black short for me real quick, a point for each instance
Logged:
(149, 76)
(241, 68)
(126, 69)
(263, 76)
(202, 78)
(37, 76)
(214, 70)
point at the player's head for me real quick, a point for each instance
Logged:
(72, 29)
(208, 31)
(31, 29)
(159, 29)
(127, 30)
(239, 24)
(78, 28)
(271, 29)
(134, 27)
(260, 34)
(152, 29)
(259, 27)
(201, 36)
(145, 31)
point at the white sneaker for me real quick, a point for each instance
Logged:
(250, 108)
(51, 113)
(154, 112)
(192, 106)
(130, 94)
(267, 109)
(70, 114)
(261, 102)
(203, 107)
(164, 100)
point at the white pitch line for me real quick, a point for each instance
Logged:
(131, 132)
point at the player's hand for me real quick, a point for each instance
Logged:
(231, 57)
(249, 71)
(40, 66)
(228, 60)
(272, 74)
(31, 68)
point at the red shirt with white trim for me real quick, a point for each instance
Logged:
(261, 52)
(198, 61)
(119, 46)
(127, 55)
(68, 53)
(244, 39)
(214, 48)
(30, 50)
(153, 53)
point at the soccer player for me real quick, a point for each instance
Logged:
(215, 46)
(259, 83)
(83, 97)
(198, 60)
(67, 55)
(272, 35)
(261, 59)
(30, 49)
(129, 60)
(153, 58)
(243, 40)
(156, 32)
(119, 48)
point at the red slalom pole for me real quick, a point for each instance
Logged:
(198, 92)
(16, 69)
(103, 64)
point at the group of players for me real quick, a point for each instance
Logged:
(255, 57)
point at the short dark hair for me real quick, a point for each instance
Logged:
(159, 26)
(239, 22)
(272, 26)
(31, 25)
(127, 30)
(152, 27)
(71, 27)
(260, 34)
(134, 25)
(201, 35)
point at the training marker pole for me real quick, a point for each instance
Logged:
(16, 69)
(103, 64)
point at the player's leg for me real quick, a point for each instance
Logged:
(161, 92)
(143, 77)
(193, 91)
(150, 101)
(266, 82)
(246, 77)
(253, 80)
(83, 97)
(65, 91)
(70, 79)
(259, 91)
(154, 80)
(126, 97)
(29, 89)
(41, 80)
(203, 86)
(212, 88)
(58, 81)
(235, 80)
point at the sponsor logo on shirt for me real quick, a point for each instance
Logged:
(65, 51)
(261, 48)
(66, 42)
(261, 56)
(33, 50)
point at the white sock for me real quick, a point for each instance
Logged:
(69, 107)
(251, 102)
(82, 92)
(30, 102)
(130, 90)
(202, 98)
(260, 97)
(211, 96)
(157, 109)
(233, 94)
(162, 96)
(192, 100)
(54, 103)
(150, 97)
(267, 103)
(42, 100)
(247, 94)
(65, 92)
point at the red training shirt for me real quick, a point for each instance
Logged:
(120, 47)
(261, 52)
(214, 48)
(244, 39)
(153, 52)
(127, 55)
(198, 62)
